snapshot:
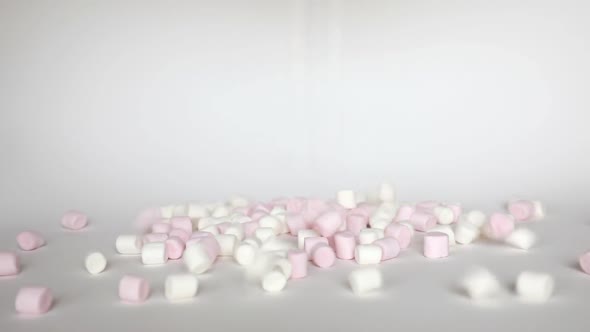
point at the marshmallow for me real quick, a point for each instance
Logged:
(250, 227)
(95, 263)
(457, 210)
(33, 300)
(368, 254)
(154, 253)
(370, 235)
(167, 211)
(74, 220)
(379, 222)
(323, 255)
(272, 222)
(304, 233)
(133, 289)
(584, 261)
(197, 211)
(447, 230)
(29, 240)
(522, 210)
(344, 242)
(197, 257)
(404, 212)
(466, 232)
(444, 215)
(206, 222)
(422, 221)
(311, 242)
(236, 230)
(174, 247)
(534, 287)
(180, 287)
(227, 244)
(328, 223)
(211, 229)
(128, 244)
(161, 228)
(476, 218)
(245, 252)
(179, 233)
(480, 283)
(183, 223)
(298, 259)
(274, 280)
(402, 232)
(387, 193)
(220, 211)
(295, 205)
(427, 206)
(522, 238)
(356, 222)
(346, 198)
(499, 226)
(264, 234)
(539, 210)
(436, 245)
(155, 237)
(365, 280)
(238, 201)
(408, 225)
(9, 264)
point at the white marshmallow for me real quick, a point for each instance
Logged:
(522, 238)
(167, 211)
(360, 197)
(387, 193)
(466, 232)
(539, 211)
(304, 233)
(444, 215)
(447, 229)
(239, 218)
(271, 222)
(238, 201)
(245, 253)
(180, 211)
(197, 211)
(364, 280)
(180, 287)
(196, 258)
(277, 210)
(476, 217)
(205, 222)
(534, 287)
(370, 235)
(346, 199)
(227, 244)
(378, 223)
(368, 254)
(264, 234)
(129, 244)
(154, 253)
(95, 263)
(274, 280)
(479, 283)
(211, 229)
(220, 211)
(236, 230)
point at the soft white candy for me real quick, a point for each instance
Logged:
(274, 280)
(236, 230)
(180, 287)
(273, 222)
(378, 223)
(205, 222)
(370, 235)
(304, 233)
(444, 215)
(277, 210)
(476, 217)
(245, 253)
(211, 229)
(197, 211)
(227, 244)
(447, 229)
(129, 244)
(534, 287)
(480, 283)
(539, 212)
(365, 280)
(466, 232)
(238, 202)
(167, 211)
(239, 218)
(179, 211)
(196, 258)
(387, 193)
(154, 253)
(95, 263)
(522, 238)
(264, 234)
(368, 254)
(220, 211)
(346, 199)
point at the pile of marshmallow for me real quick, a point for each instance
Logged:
(276, 241)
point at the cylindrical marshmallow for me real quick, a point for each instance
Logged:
(29, 240)
(466, 232)
(95, 262)
(328, 223)
(227, 244)
(197, 211)
(197, 257)
(133, 289)
(534, 287)
(479, 283)
(447, 229)
(436, 245)
(356, 222)
(274, 280)
(476, 218)
(311, 242)
(344, 243)
(183, 223)
(389, 246)
(211, 229)
(365, 280)
(129, 244)
(444, 215)
(404, 212)
(181, 234)
(74, 220)
(422, 221)
(323, 255)
(155, 237)
(305, 233)
(295, 222)
(264, 234)
(236, 230)
(9, 264)
(387, 192)
(298, 259)
(245, 253)
(522, 238)
(272, 222)
(154, 253)
(522, 210)
(457, 210)
(180, 287)
(161, 228)
(346, 199)
(174, 247)
(584, 261)
(370, 235)
(499, 226)
(368, 254)
(402, 232)
(250, 227)
(33, 300)
(220, 211)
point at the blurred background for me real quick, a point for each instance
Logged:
(127, 104)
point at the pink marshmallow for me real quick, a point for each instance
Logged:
(133, 289)
(389, 246)
(436, 245)
(29, 240)
(174, 248)
(250, 227)
(404, 212)
(161, 228)
(183, 223)
(585, 262)
(356, 222)
(310, 242)
(74, 220)
(155, 237)
(295, 223)
(323, 255)
(344, 242)
(279, 202)
(295, 205)
(427, 206)
(364, 209)
(499, 226)
(257, 215)
(313, 209)
(328, 223)
(181, 234)
(33, 300)
(422, 221)
(457, 210)
(9, 264)
(298, 259)
(522, 210)
(402, 233)
(259, 207)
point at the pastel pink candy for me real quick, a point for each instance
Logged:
(222, 227)
(29, 240)
(500, 225)
(181, 234)
(404, 212)
(356, 222)
(313, 209)
(436, 245)
(155, 237)
(422, 221)
(323, 255)
(161, 227)
(298, 259)
(457, 210)
(33, 300)
(522, 210)
(259, 207)
(328, 223)
(257, 215)
(344, 242)
(295, 223)
(74, 220)
(310, 242)
(389, 246)
(585, 262)
(364, 209)
(295, 205)
(400, 232)
(9, 264)
(133, 289)
(183, 223)
(279, 202)
(250, 227)
(427, 206)
(174, 248)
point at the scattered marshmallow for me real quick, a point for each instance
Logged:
(534, 287)
(236, 230)
(95, 262)
(155, 237)
(387, 193)
(323, 255)
(227, 244)
(74, 220)
(522, 210)
(476, 218)
(370, 235)
(9, 264)
(444, 215)
(480, 284)
(404, 212)
(274, 280)
(197, 211)
(368, 254)
(305, 233)
(154, 253)
(328, 223)
(161, 228)
(174, 247)
(184, 223)
(466, 232)
(270, 221)
(365, 280)
(133, 289)
(436, 245)
(422, 221)
(356, 222)
(129, 244)
(180, 287)
(179, 233)
(198, 258)
(346, 198)
(33, 300)
(522, 238)
(311, 242)
(389, 246)
(447, 229)
(298, 259)
(403, 232)
(220, 211)
(29, 240)
(245, 252)
(499, 226)
(344, 243)
(264, 234)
